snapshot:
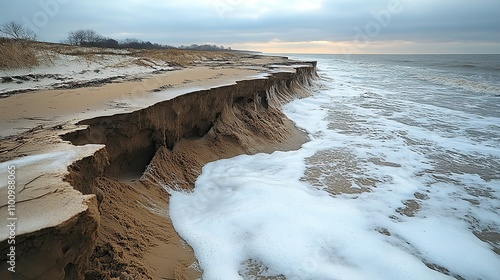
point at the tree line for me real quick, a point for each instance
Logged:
(90, 38)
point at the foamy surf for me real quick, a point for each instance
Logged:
(399, 181)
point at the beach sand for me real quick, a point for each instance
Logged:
(124, 211)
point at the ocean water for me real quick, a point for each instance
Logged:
(400, 179)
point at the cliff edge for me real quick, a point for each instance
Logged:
(84, 191)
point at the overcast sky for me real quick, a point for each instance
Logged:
(318, 26)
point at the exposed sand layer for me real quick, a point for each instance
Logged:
(92, 163)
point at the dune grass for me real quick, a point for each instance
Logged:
(184, 57)
(27, 54)
(17, 54)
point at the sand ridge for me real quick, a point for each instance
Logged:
(135, 237)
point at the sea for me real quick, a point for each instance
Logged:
(400, 179)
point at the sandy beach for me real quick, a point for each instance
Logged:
(95, 157)
(259, 140)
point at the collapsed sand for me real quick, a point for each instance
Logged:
(142, 153)
(205, 126)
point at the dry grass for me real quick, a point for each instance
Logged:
(17, 54)
(23, 54)
(185, 57)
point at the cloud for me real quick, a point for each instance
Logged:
(263, 21)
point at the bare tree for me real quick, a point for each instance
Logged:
(83, 36)
(17, 31)
(92, 36)
(76, 37)
(131, 41)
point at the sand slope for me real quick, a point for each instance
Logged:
(80, 154)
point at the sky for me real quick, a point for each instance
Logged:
(275, 26)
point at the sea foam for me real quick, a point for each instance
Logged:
(421, 188)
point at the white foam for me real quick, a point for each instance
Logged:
(413, 147)
(255, 208)
(447, 243)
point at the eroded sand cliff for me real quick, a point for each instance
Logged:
(91, 194)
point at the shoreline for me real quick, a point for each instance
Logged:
(87, 160)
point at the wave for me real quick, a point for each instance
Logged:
(463, 83)
(476, 67)
(484, 63)
(468, 66)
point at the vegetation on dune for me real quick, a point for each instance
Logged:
(17, 54)
(19, 48)
(184, 57)
(17, 31)
(15, 49)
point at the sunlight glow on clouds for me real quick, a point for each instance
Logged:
(347, 47)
